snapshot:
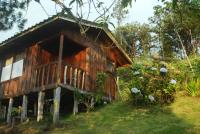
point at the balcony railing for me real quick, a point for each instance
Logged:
(46, 75)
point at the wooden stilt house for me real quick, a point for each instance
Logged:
(52, 56)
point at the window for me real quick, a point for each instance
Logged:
(12, 70)
(6, 71)
(17, 69)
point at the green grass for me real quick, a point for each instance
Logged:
(183, 116)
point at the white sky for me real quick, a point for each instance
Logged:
(140, 11)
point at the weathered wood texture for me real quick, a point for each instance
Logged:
(43, 70)
(97, 63)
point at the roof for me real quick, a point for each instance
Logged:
(10, 41)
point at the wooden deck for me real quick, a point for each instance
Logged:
(44, 77)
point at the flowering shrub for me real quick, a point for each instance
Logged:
(148, 82)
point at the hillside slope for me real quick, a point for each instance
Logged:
(183, 116)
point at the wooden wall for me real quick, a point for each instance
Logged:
(18, 85)
(98, 62)
(92, 60)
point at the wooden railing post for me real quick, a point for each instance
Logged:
(65, 75)
(83, 81)
(71, 76)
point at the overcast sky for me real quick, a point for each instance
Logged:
(140, 11)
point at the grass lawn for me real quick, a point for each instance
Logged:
(183, 116)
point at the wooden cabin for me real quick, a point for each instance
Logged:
(52, 56)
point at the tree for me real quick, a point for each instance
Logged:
(11, 12)
(177, 27)
(136, 38)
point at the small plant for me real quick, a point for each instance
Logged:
(90, 99)
(193, 87)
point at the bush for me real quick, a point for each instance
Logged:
(147, 84)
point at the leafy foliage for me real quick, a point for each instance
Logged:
(170, 23)
(145, 76)
(135, 38)
(11, 12)
(90, 99)
(193, 87)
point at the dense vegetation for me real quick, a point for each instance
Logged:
(148, 84)
(157, 93)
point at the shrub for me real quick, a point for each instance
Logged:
(153, 86)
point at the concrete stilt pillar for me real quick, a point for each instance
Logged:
(0, 103)
(4, 112)
(40, 106)
(56, 109)
(75, 109)
(35, 109)
(24, 108)
(9, 113)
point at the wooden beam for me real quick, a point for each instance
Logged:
(40, 106)
(24, 108)
(60, 59)
(9, 114)
(83, 91)
(56, 112)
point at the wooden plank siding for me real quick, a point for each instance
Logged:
(44, 70)
(98, 62)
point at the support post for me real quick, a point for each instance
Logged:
(0, 102)
(40, 106)
(4, 112)
(60, 59)
(118, 89)
(9, 113)
(35, 109)
(75, 109)
(56, 110)
(24, 108)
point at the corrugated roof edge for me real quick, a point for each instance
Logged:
(67, 18)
